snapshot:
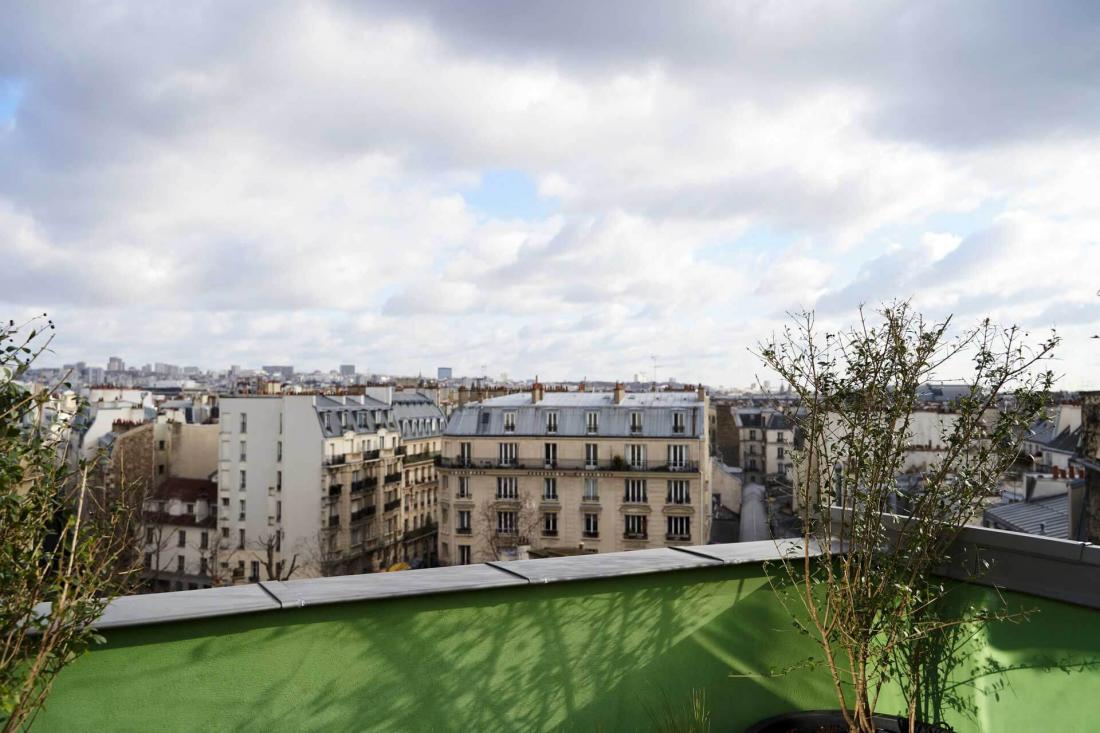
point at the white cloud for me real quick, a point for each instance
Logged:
(263, 183)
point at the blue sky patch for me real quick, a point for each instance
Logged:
(508, 194)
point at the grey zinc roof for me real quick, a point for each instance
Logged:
(1066, 442)
(1048, 517)
(375, 414)
(416, 414)
(487, 418)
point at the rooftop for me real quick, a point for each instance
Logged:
(1048, 516)
(593, 642)
(596, 399)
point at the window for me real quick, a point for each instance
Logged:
(636, 456)
(181, 541)
(160, 469)
(635, 526)
(550, 524)
(204, 566)
(752, 435)
(278, 480)
(550, 489)
(463, 521)
(550, 453)
(204, 540)
(635, 491)
(240, 539)
(591, 455)
(180, 563)
(463, 554)
(779, 453)
(278, 511)
(591, 489)
(280, 423)
(225, 532)
(506, 522)
(752, 464)
(464, 453)
(678, 493)
(679, 528)
(160, 444)
(255, 574)
(244, 423)
(509, 422)
(148, 560)
(190, 508)
(244, 450)
(677, 457)
(242, 510)
(677, 422)
(148, 535)
(591, 525)
(780, 437)
(279, 450)
(225, 501)
(592, 422)
(551, 422)
(636, 421)
(506, 487)
(507, 454)
(463, 487)
(243, 479)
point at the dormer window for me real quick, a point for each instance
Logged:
(677, 422)
(636, 421)
(509, 422)
(551, 422)
(592, 422)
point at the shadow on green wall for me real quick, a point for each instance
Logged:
(581, 656)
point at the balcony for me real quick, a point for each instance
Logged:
(391, 505)
(616, 464)
(336, 460)
(463, 530)
(671, 620)
(421, 457)
(335, 489)
(400, 450)
(393, 478)
(362, 485)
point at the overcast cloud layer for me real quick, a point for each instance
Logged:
(561, 189)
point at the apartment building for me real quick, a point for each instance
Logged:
(607, 470)
(421, 424)
(765, 440)
(312, 485)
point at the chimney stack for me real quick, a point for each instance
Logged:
(701, 392)
(536, 391)
(619, 391)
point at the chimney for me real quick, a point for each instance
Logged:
(583, 386)
(701, 392)
(536, 391)
(618, 396)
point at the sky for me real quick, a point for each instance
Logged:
(562, 189)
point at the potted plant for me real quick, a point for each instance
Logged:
(871, 599)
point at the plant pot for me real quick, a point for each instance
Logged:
(832, 721)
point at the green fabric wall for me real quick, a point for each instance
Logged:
(596, 656)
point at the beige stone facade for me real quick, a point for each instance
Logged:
(532, 471)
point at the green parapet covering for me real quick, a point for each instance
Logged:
(604, 655)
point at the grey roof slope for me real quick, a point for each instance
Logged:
(1048, 517)
(364, 414)
(657, 408)
(417, 415)
(1066, 442)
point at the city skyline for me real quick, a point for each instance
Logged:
(542, 189)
